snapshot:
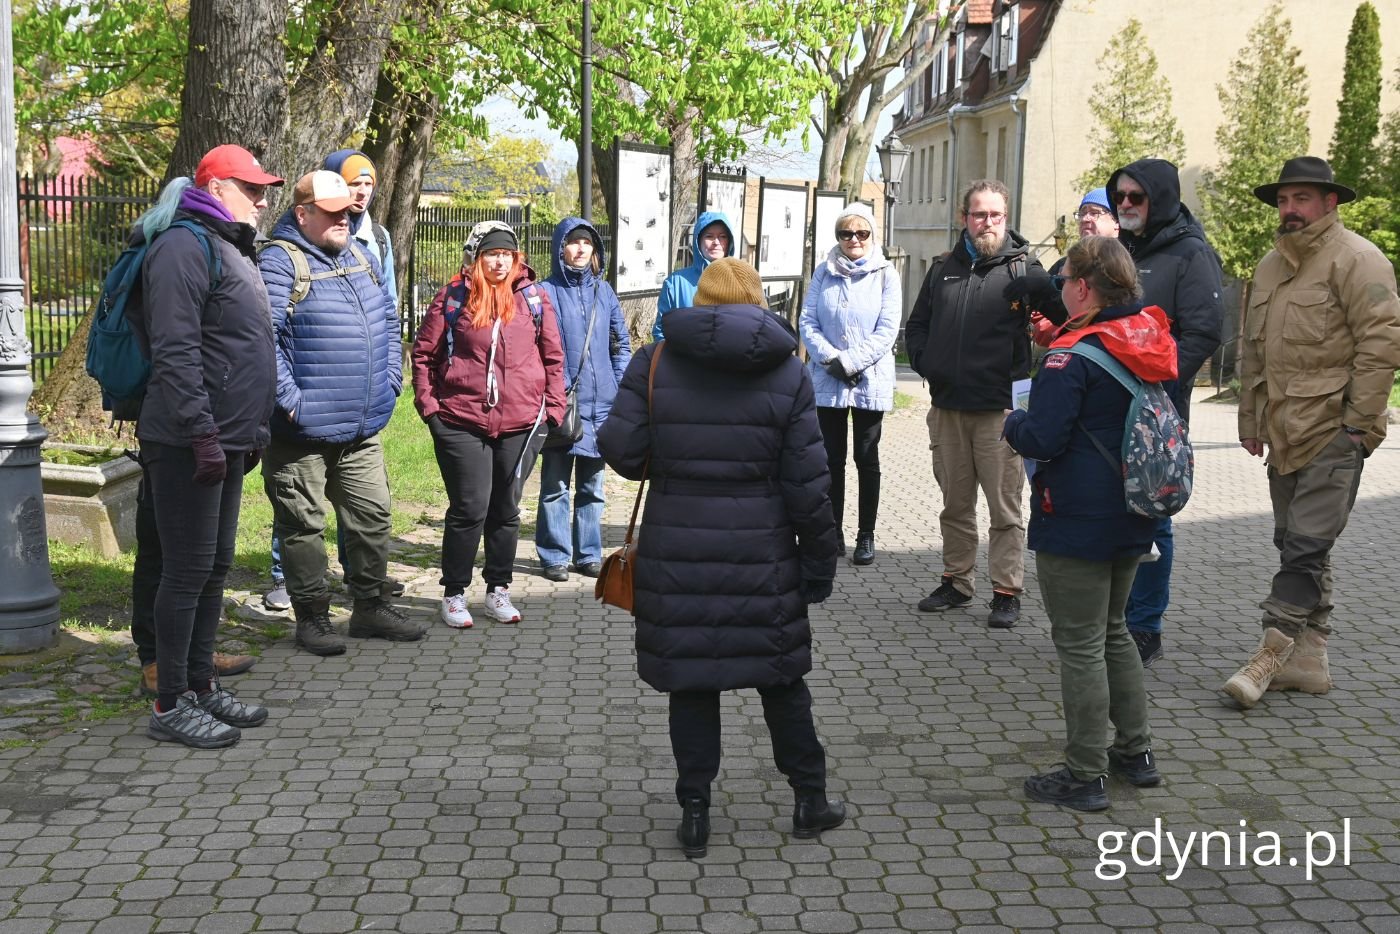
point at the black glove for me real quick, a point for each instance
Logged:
(250, 460)
(210, 462)
(1036, 290)
(814, 591)
(836, 369)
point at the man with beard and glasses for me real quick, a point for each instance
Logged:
(970, 343)
(1179, 273)
(1321, 346)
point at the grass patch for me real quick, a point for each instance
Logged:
(94, 592)
(1395, 395)
(902, 401)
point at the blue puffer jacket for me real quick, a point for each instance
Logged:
(678, 291)
(573, 293)
(339, 360)
(855, 318)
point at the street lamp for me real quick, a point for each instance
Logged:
(894, 157)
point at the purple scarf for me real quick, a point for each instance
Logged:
(199, 201)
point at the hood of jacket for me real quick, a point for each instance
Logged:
(1140, 338)
(703, 221)
(563, 271)
(1165, 212)
(745, 338)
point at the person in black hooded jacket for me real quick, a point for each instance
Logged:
(1180, 274)
(737, 538)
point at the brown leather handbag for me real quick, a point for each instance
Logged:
(614, 585)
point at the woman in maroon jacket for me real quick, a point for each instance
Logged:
(488, 378)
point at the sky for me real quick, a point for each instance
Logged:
(787, 160)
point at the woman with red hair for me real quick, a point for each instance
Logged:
(488, 378)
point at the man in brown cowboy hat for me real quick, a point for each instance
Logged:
(1321, 346)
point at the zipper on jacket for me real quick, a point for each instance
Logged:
(369, 354)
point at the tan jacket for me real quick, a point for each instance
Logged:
(1321, 343)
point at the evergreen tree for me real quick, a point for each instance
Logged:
(1265, 103)
(1132, 110)
(1354, 153)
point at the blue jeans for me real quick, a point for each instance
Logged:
(1152, 588)
(554, 540)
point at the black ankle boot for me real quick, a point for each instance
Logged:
(865, 549)
(815, 813)
(694, 831)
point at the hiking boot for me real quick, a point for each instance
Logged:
(1249, 683)
(229, 709)
(455, 613)
(191, 725)
(1149, 645)
(315, 631)
(277, 598)
(148, 679)
(865, 549)
(814, 813)
(499, 607)
(944, 597)
(589, 568)
(694, 829)
(378, 619)
(225, 665)
(556, 572)
(1062, 788)
(1139, 770)
(1306, 669)
(1006, 610)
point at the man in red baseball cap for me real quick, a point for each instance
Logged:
(232, 175)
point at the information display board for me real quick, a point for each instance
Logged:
(642, 228)
(782, 231)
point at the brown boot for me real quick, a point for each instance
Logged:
(1306, 669)
(1250, 682)
(225, 665)
(148, 679)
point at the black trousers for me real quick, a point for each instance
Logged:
(865, 434)
(145, 573)
(197, 528)
(483, 495)
(695, 739)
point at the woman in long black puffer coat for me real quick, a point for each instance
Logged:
(737, 538)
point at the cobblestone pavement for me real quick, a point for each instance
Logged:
(518, 778)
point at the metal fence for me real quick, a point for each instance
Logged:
(72, 229)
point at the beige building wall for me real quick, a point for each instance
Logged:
(1194, 41)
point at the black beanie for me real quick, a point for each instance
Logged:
(498, 240)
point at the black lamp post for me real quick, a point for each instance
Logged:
(894, 157)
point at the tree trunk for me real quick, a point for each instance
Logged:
(234, 86)
(685, 185)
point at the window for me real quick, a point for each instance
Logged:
(961, 40)
(917, 183)
(947, 181)
(943, 61)
(932, 171)
(1006, 38)
(1001, 153)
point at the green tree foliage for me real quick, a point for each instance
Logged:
(1265, 104)
(1353, 155)
(1132, 110)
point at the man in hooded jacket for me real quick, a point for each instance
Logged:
(1181, 274)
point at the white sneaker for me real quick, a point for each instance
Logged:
(455, 612)
(498, 606)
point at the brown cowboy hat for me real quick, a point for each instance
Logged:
(1304, 170)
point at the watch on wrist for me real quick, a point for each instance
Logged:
(1353, 431)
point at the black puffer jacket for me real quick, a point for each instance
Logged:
(737, 513)
(1177, 268)
(963, 336)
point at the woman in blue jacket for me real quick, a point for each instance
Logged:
(591, 322)
(1087, 544)
(849, 322)
(713, 239)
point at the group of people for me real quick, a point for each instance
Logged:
(292, 356)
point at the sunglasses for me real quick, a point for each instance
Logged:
(1135, 198)
(861, 235)
(1059, 281)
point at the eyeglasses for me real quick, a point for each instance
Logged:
(861, 235)
(1135, 198)
(985, 217)
(1089, 215)
(1058, 281)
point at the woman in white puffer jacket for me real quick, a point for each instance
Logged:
(849, 323)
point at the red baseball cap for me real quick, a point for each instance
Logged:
(230, 161)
